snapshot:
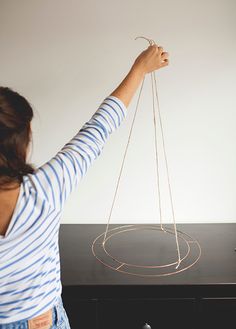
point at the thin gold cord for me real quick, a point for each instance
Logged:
(156, 153)
(167, 171)
(118, 182)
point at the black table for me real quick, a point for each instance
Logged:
(97, 297)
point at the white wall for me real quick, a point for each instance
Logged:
(66, 56)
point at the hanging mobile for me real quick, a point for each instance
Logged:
(192, 249)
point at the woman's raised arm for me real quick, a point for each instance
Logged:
(59, 176)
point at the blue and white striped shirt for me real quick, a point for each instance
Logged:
(30, 279)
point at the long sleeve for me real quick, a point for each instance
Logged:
(58, 177)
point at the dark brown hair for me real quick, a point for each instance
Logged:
(15, 134)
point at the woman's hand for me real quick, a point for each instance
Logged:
(151, 59)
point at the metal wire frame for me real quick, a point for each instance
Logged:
(175, 231)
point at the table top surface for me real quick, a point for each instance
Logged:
(216, 266)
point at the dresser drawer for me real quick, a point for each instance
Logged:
(81, 313)
(134, 314)
(218, 313)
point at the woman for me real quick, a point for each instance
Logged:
(31, 200)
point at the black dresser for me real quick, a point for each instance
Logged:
(97, 297)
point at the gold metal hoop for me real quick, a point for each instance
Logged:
(107, 259)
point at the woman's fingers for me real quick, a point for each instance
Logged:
(165, 59)
(164, 55)
(165, 62)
